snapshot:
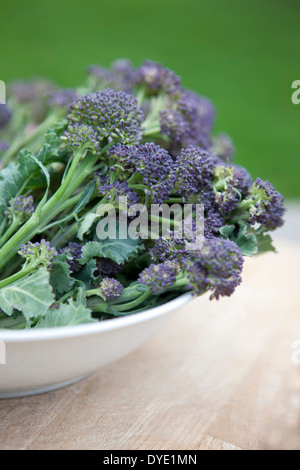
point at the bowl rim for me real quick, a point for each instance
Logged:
(60, 332)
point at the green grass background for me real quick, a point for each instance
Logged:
(243, 54)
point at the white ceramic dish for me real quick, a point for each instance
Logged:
(38, 361)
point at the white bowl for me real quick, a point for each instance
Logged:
(41, 360)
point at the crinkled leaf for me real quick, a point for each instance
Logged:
(227, 231)
(86, 274)
(245, 240)
(119, 251)
(265, 243)
(60, 277)
(69, 314)
(86, 224)
(17, 176)
(31, 295)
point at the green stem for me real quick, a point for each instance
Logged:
(159, 219)
(16, 277)
(174, 200)
(22, 141)
(9, 232)
(51, 209)
(105, 307)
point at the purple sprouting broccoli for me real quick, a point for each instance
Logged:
(38, 254)
(213, 221)
(170, 248)
(223, 147)
(159, 277)
(193, 170)
(116, 189)
(120, 76)
(21, 208)
(107, 267)
(5, 116)
(80, 136)
(32, 90)
(188, 121)
(154, 165)
(63, 98)
(264, 205)
(227, 190)
(244, 179)
(216, 267)
(155, 79)
(114, 116)
(3, 146)
(110, 288)
(73, 252)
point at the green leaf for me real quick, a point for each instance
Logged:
(227, 231)
(265, 243)
(60, 277)
(69, 314)
(31, 295)
(11, 182)
(47, 176)
(86, 274)
(117, 250)
(85, 198)
(246, 240)
(15, 178)
(86, 224)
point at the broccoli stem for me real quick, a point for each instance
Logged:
(17, 276)
(9, 232)
(24, 140)
(107, 307)
(52, 208)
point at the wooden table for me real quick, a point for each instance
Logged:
(220, 375)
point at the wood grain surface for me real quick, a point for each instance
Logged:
(221, 375)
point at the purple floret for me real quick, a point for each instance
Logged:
(158, 277)
(226, 187)
(188, 122)
(152, 162)
(267, 205)
(193, 171)
(41, 253)
(116, 189)
(244, 179)
(5, 116)
(223, 147)
(119, 77)
(114, 116)
(63, 98)
(73, 251)
(168, 249)
(22, 205)
(213, 221)
(216, 267)
(107, 267)
(81, 136)
(110, 288)
(31, 90)
(3, 146)
(155, 78)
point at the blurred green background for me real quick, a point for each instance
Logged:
(244, 55)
